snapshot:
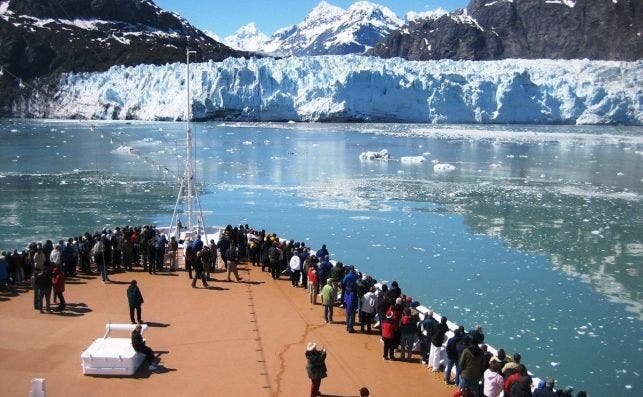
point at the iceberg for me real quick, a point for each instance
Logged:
(356, 88)
(443, 168)
(412, 159)
(382, 155)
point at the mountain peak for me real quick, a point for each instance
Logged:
(248, 38)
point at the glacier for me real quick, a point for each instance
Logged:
(355, 88)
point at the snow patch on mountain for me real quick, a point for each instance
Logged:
(412, 16)
(356, 88)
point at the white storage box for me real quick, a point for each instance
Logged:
(112, 356)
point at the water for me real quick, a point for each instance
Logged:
(536, 235)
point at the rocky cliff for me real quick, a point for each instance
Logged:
(500, 29)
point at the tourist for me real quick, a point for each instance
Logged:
(389, 326)
(43, 287)
(567, 391)
(213, 256)
(199, 274)
(547, 390)
(134, 300)
(189, 257)
(313, 284)
(521, 387)
(407, 330)
(493, 381)
(223, 244)
(138, 343)
(99, 258)
(68, 255)
(437, 339)
(274, 257)
(315, 367)
(367, 310)
(518, 372)
(206, 259)
(453, 356)
(328, 295)
(232, 259)
(471, 366)
(324, 270)
(56, 256)
(511, 366)
(322, 252)
(58, 284)
(295, 268)
(350, 297)
(477, 336)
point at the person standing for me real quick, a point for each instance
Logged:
(135, 300)
(58, 284)
(437, 339)
(43, 285)
(199, 273)
(313, 284)
(295, 268)
(328, 300)
(232, 257)
(316, 367)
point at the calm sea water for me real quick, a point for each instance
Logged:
(536, 235)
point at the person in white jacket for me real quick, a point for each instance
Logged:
(295, 268)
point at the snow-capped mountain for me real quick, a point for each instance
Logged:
(248, 38)
(327, 29)
(498, 29)
(357, 88)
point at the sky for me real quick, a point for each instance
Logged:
(224, 17)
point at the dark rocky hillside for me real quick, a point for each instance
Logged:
(42, 38)
(499, 29)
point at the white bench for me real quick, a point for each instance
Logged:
(112, 356)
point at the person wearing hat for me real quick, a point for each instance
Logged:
(547, 390)
(315, 367)
(138, 343)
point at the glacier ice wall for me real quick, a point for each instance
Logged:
(356, 88)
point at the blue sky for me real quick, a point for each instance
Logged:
(224, 17)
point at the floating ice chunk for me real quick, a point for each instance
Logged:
(443, 167)
(291, 121)
(63, 182)
(554, 364)
(14, 130)
(510, 156)
(425, 154)
(124, 149)
(619, 174)
(412, 159)
(267, 142)
(595, 232)
(247, 142)
(494, 166)
(382, 155)
(628, 387)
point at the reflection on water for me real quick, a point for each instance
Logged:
(536, 232)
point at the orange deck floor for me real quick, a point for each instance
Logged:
(233, 339)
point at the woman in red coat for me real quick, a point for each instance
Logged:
(389, 326)
(58, 284)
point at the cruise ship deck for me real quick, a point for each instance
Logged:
(233, 339)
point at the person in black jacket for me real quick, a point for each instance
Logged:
(135, 300)
(437, 339)
(140, 347)
(452, 356)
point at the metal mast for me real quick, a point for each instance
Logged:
(189, 173)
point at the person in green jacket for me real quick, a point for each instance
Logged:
(135, 300)
(471, 366)
(328, 295)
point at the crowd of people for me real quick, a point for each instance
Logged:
(376, 308)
